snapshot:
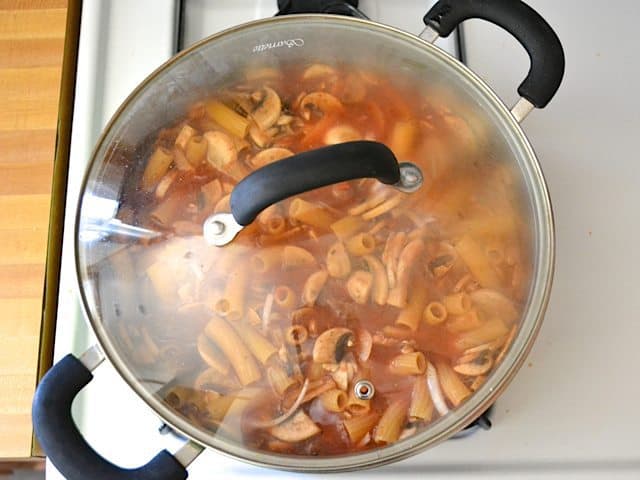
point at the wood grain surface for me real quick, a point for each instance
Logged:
(31, 50)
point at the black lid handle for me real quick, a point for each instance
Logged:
(307, 171)
(63, 443)
(526, 25)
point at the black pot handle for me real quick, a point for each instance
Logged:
(526, 25)
(308, 170)
(64, 445)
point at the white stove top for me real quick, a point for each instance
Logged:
(572, 411)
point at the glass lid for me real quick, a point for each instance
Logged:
(344, 319)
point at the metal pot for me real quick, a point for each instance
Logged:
(117, 286)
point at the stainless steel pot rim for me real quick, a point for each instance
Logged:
(462, 415)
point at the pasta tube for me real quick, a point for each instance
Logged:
(196, 150)
(279, 380)
(334, 400)
(435, 313)
(232, 303)
(347, 226)
(168, 210)
(457, 303)
(224, 116)
(412, 363)
(358, 426)
(384, 207)
(259, 346)
(361, 244)
(370, 203)
(391, 423)
(158, 164)
(453, 388)
(296, 334)
(380, 290)
(421, 406)
(411, 315)
(267, 259)
(212, 355)
(186, 132)
(357, 406)
(236, 351)
(406, 262)
(284, 297)
(310, 214)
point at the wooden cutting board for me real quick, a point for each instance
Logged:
(32, 160)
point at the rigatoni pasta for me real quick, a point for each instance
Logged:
(235, 349)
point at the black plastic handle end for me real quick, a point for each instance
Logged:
(64, 445)
(526, 25)
(309, 170)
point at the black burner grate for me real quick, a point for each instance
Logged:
(483, 422)
(338, 7)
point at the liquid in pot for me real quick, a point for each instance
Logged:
(265, 340)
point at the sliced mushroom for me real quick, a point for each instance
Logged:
(296, 429)
(344, 373)
(354, 89)
(493, 302)
(318, 70)
(312, 287)
(443, 260)
(221, 150)
(243, 101)
(359, 286)
(440, 265)
(261, 138)
(284, 120)
(341, 134)
(332, 345)
(270, 155)
(257, 96)
(480, 365)
(319, 101)
(268, 111)
(364, 344)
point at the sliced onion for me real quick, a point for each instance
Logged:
(436, 393)
(266, 312)
(288, 413)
